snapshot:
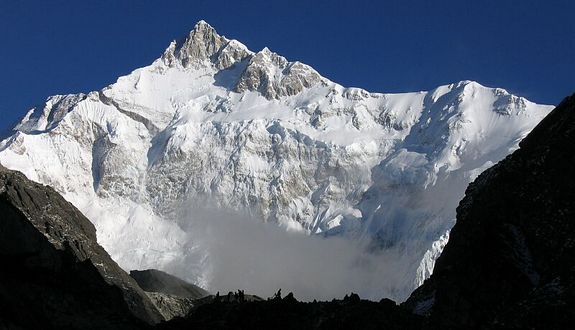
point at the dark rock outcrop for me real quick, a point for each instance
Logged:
(171, 306)
(54, 275)
(510, 261)
(153, 280)
(171, 295)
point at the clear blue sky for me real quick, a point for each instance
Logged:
(525, 46)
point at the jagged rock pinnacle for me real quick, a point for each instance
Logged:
(204, 43)
(202, 23)
(263, 68)
(266, 72)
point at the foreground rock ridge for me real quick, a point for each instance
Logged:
(288, 313)
(509, 261)
(54, 275)
(212, 124)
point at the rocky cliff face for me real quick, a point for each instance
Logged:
(54, 275)
(509, 261)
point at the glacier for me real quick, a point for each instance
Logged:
(211, 125)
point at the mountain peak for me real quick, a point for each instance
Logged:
(203, 44)
(201, 23)
(266, 72)
(215, 122)
(203, 28)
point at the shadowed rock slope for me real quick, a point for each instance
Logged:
(510, 259)
(54, 275)
(153, 280)
(171, 295)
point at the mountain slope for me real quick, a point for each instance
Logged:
(152, 280)
(509, 263)
(54, 275)
(172, 296)
(211, 124)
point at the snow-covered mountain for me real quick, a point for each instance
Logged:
(212, 123)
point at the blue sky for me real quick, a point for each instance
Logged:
(526, 47)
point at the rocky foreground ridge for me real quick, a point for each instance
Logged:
(54, 275)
